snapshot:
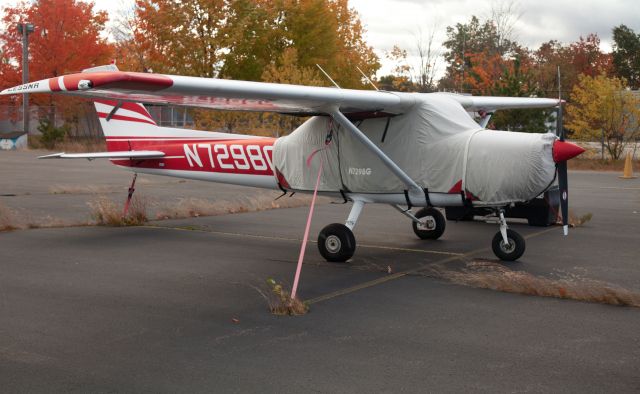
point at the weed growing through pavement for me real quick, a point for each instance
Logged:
(106, 212)
(577, 221)
(279, 300)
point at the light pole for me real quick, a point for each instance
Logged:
(25, 29)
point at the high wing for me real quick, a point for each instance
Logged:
(132, 154)
(491, 103)
(216, 93)
(107, 83)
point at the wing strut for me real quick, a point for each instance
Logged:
(412, 186)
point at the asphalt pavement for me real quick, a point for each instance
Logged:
(175, 306)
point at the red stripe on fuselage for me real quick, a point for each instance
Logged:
(245, 157)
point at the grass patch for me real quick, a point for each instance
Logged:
(196, 207)
(7, 219)
(69, 144)
(79, 189)
(105, 212)
(279, 300)
(597, 164)
(487, 274)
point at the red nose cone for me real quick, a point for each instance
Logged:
(563, 151)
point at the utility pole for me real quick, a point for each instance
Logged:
(25, 29)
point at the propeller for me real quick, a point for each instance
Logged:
(563, 151)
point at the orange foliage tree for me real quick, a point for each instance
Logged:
(582, 57)
(67, 39)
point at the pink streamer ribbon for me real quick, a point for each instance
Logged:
(294, 290)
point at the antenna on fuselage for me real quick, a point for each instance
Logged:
(327, 75)
(367, 79)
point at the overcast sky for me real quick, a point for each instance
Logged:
(390, 22)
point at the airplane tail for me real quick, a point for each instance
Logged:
(129, 126)
(124, 119)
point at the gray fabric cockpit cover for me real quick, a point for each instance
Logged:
(431, 143)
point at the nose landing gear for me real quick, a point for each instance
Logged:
(507, 244)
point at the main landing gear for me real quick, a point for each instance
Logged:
(336, 241)
(430, 224)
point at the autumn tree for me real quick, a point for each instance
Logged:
(518, 81)
(251, 37)
(580, 57)
(419, 73)
(68, 38)
(239, 38)
(626, 55)
(477, 48)
(602, 106)
(256, 40)
(287, 70)
(180, 37)
(352, 50)
(401, 78)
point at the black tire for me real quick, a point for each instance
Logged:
(513, 251)
(336, 243)
(434, 227)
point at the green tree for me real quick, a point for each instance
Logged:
(626, 55)
(466, 42)
(253, 37)
(518, 81)
(603, 106)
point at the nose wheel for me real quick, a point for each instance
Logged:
(511, 250)
(507, 244)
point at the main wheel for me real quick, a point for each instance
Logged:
(336, 243)
(511, 251)
(432, 224)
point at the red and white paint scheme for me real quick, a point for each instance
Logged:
(135, 142)
(208, 156)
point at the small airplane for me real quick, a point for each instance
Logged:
(402, 149)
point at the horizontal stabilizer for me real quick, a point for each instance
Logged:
(128, 154)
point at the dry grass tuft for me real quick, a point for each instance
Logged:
(78, 145)
(279, 300)
(581, 164)
(106, 212)
(196, 207)
(71, 144)
(79, 189)
(487, 274)
(576, 221)
(7, 219)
